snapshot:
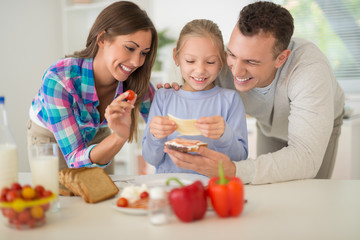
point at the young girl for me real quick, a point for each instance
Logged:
(221, 116)
(83, 94)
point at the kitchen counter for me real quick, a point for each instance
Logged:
(304, 209)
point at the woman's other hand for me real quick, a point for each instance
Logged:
(161, 127)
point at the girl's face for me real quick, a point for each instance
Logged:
(125, 53)
(199, 63)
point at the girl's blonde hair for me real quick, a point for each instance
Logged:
(202, 28)
(123, 18)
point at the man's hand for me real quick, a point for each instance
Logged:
(206, 162)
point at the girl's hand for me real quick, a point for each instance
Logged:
(211, 127)
(118, 115)
(161, 127)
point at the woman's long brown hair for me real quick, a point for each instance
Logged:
(123, 18)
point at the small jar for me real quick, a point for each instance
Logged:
(159, 208)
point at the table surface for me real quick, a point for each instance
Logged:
(304, 209)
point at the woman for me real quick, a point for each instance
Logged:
(83, 95)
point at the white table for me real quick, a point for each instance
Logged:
(306, 209)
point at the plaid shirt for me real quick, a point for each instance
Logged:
(66, 104)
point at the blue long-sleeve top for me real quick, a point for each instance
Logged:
(194, 105)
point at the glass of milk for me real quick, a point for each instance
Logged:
(44, 165)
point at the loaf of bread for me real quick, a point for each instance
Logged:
(92, 184)
(184, 145)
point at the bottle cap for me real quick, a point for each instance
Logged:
(2, 99)
(157, 193)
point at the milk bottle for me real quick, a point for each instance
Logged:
(8, 151)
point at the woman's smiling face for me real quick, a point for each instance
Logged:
(125, 53)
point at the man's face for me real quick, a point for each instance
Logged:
(251, 60)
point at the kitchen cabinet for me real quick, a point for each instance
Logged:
(251, 128)
(78, 18)
(347, 164)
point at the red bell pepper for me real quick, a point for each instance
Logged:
(188, 202)
(226, 194)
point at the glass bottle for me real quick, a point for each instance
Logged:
(8, 151)
(159, 208)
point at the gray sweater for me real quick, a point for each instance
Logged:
(299, 109)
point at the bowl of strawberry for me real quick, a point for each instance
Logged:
(25, 207)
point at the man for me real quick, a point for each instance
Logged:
(289, 87)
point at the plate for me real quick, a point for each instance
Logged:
(155, 180)
(127, 210)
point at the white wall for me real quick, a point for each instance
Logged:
(173, 15)
(30, 41)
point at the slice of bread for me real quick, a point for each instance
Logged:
(92, 184)
(96, 185)
(69, 182)
(184, 145)
(74, 186)
(64, 191)
(62, 174)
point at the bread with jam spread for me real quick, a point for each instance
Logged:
(184, 145)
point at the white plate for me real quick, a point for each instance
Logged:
(127, 210)
(157, 180)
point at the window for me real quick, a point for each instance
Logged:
(334, 26)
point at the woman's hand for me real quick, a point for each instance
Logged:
(206, 162)
(161, 127)
(211, 127)
(118, 115)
